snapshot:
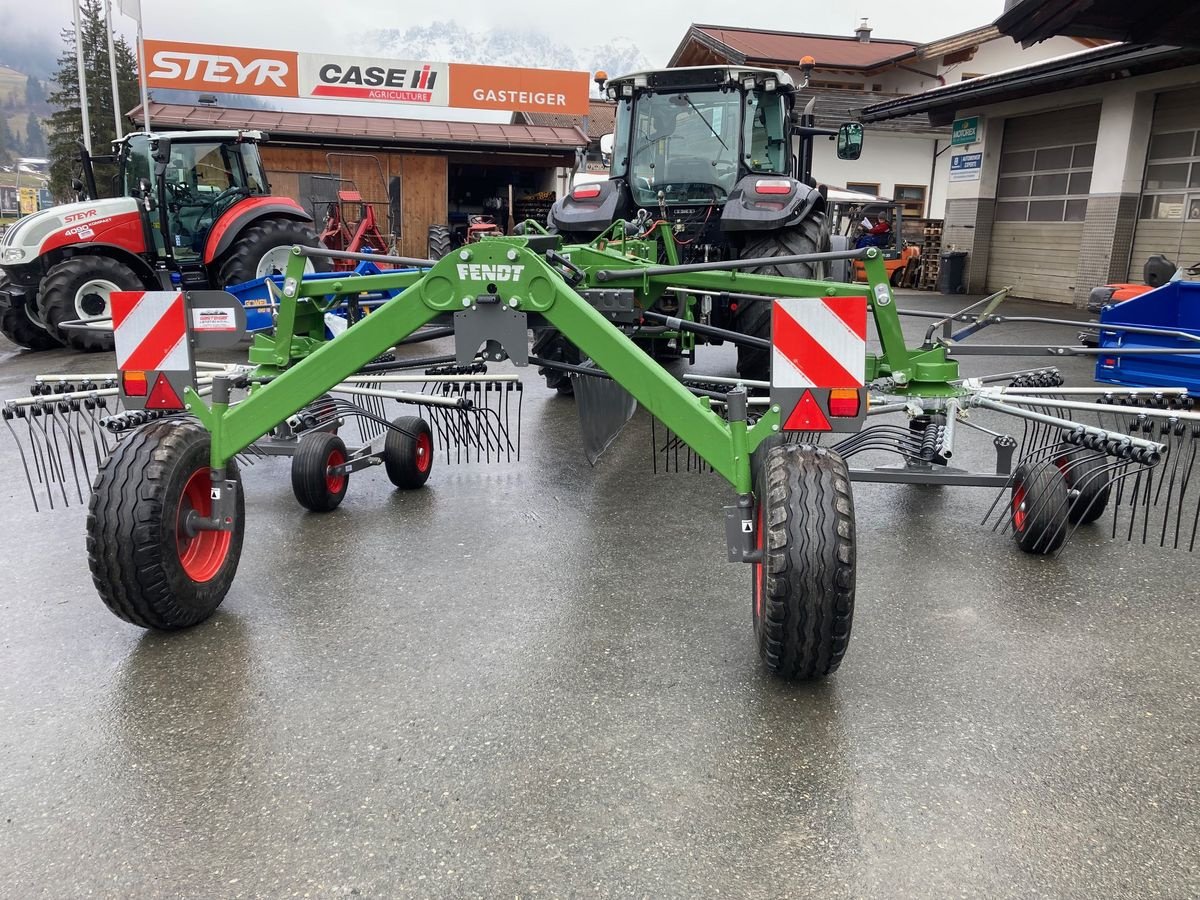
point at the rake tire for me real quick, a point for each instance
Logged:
(803, 591)
(408, 452)
(1038, 506)
(315, 488)
(1089, 481)
(144, 567)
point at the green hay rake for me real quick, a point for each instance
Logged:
(166, 513)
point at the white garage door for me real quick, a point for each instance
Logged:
(1169, 222)
(1041, 202)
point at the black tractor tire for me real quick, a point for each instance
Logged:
(1089, 479)
(754, 318)
(240, 262)
(408, 452)
(441, 242)
(552, 346)
(1038, 506)
(57, 301)
(18, 325)
(803, 591)
(314, 487)
(147, 570)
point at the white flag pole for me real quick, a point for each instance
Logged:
(83, 101)
(112, 67)
(142, 63)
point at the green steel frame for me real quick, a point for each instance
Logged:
(297, 365)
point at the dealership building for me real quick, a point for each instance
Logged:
(1070, 172)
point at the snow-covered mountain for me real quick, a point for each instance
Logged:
(451, 42)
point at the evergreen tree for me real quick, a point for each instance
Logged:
(66, 123)
(35, 138)
(33, 92)
(8, 145)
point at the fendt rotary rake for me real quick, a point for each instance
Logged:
(166, 513)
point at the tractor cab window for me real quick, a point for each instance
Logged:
(766, 144)
(136, 166)
(203, 180)
(684, 147)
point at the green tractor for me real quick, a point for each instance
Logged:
(724, 157)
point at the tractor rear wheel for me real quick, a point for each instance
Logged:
(149, 568)
(439, 241)
(17, 323)
(803, 591)
(1088, 479)
(315, 487)
(264, 248)
(80, 288)
(754, 318)
(1038, 507)
(408, 452)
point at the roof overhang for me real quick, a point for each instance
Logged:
(1172, 22)
(1095, 66)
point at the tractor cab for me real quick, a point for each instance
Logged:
(191, 179)
(711, 151)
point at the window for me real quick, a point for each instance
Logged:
(863, 187)
(912, 198)
(1049, 184)
(1171, 190)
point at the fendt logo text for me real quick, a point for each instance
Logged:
(215, 69)
(483, 272)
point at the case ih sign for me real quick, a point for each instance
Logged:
(208, 68)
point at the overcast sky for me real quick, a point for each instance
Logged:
(338, 26)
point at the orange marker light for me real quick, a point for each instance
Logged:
(843, 403)
(133, 383)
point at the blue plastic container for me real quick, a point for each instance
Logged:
(255, 296)
(1176, 306)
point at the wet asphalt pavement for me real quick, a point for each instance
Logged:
(539, 679)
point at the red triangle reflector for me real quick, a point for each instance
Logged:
(807, 416)
(163, 396)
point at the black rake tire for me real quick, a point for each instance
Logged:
(753, 318)
(1038, 505)
(240, 262)
(440, 241)
(315, 488)
(148, 572)
(17, 325)
(1088, 480)
(408, 452)
(803, 592)
(56, 301)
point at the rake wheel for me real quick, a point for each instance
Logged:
(315, 487)
(1088, 481)
(1038, 508)
(408, 452)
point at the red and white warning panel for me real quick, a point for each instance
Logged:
(153, 347)
(819, 362)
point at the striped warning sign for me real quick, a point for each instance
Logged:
(150, 331)
(819, 342)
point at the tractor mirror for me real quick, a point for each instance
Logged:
(606, 143)
(850, 141)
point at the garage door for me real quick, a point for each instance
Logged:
(1041, 202)
(1169, 221)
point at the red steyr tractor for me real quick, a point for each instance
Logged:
(193, 211)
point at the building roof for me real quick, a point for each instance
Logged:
(834, 107)
(601, 118)
(1092, 66)
(743, 45)
(367, 129)
(1172, 22)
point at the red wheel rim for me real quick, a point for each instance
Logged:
(203, 553)
(758, 568)
(1019, 512)
(335, 483)
(424, 452)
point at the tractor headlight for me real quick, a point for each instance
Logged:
(13, 254)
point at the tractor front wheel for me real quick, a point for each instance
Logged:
(803, 600)
(408, 452)
(81, 288)
(315, 486)
(264, 248)
(151, 567)
(1038, 507)
(753, 318)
